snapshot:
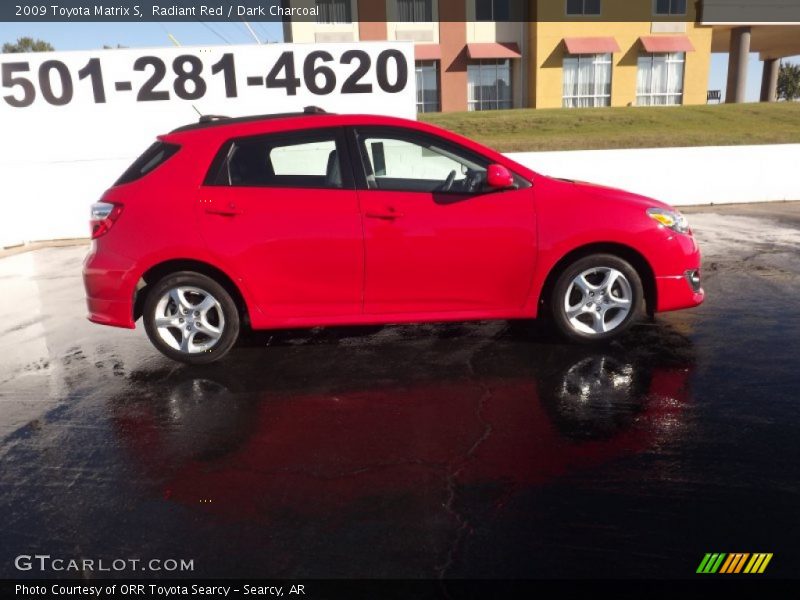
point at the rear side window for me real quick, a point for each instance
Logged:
(306, 159)
(155, 155)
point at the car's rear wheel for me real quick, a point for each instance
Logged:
(191, 318)
(596, 298)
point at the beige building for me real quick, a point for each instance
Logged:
(494, 54)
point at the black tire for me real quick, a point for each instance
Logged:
(229, 331)
(556, 301)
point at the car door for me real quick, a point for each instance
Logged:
(437, 239)
(281, 210)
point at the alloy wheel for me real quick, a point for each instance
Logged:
(189, 319)
(598, 300)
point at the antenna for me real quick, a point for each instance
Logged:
(253, 33)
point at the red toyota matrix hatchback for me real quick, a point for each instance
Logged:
(310, 219)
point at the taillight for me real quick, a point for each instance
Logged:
(104, 214)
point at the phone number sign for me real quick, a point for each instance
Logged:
(187, 76)
(119, 96)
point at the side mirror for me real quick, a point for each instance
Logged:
(498, 177)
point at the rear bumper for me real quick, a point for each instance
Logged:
(110, 312)
(110, 283)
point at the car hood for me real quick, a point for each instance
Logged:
(614, 194)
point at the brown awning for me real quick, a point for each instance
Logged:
(427, 52)
(493, 50)
(666, 43)
(591, 45)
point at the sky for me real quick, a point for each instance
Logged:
(88, 36)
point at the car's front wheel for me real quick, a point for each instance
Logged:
(596, 298)
(191, 318)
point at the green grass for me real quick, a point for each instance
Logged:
(629, 127)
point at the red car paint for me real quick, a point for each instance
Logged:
(312, 257)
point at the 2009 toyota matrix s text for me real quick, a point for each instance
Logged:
(311, 219)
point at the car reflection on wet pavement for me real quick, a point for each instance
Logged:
(413, 434)
(454, 450)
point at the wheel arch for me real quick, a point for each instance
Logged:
(627, 253)
(167, 267)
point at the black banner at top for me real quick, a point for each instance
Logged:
(344, 11)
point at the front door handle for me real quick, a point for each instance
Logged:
(389, 215)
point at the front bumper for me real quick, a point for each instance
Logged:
(681, 286)
(110, 283)
(677, 291)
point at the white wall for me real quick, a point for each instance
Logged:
(50, 200)
(682, 176)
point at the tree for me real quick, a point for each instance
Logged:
(27, 44)
(789, 81)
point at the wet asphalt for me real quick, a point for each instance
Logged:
(462, 450)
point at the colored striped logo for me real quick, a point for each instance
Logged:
(737, 562)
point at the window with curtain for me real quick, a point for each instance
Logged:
(492, 10)
(334, 11)
(659, 80)
(415, 11)
(489, 85)
(583, 7)
(427, 72)
(587, 80)
(669, 7)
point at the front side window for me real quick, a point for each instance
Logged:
(583, 7)
(397, 161)
(492, 10)
(489, 85)
(297, 160)
(427, 72)
(659, 80)
(334, 11)
(669, 7)
(587, 80)
(415, 11)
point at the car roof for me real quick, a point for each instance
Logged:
(206, 121)
(213, 129)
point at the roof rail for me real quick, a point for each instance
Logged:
(215, 120)
(211, 118)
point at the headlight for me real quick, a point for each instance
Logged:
(671, 219)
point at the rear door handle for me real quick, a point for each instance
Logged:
(231, 210)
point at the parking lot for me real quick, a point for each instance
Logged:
(454, 450)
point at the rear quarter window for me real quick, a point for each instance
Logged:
(307, 158)
(155, 156)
